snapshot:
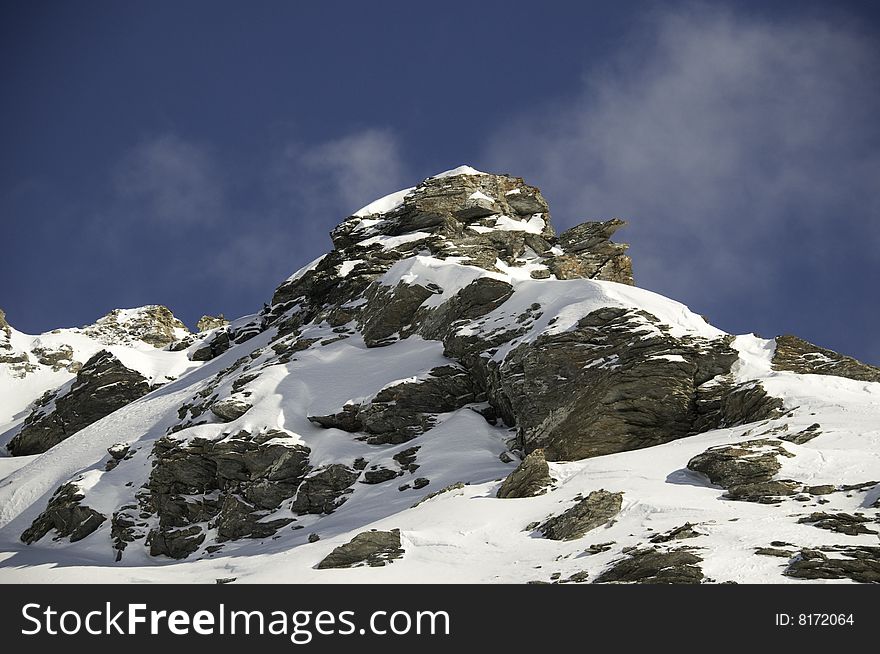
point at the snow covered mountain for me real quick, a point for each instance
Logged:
(453, 393)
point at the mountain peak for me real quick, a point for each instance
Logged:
(153, 324)
(495, 222)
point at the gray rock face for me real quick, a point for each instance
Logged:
(860, 563)
(207, 323)
(232, 484)
(746, 469)
(797, 355)
(370, 548)
(683, 532)
(531, 478)
(66, 515)
(842, 523)
(400, 412)
(230, 409)
(592, 255)
(653, 566)
(605, 387)
(102, 386)
(325, 491)
(153, 324)
(595, 510)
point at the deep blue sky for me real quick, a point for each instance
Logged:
(196, 153)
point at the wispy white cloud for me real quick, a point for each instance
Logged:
(168, 180)
(726, 140)
(341, 175)
(306, 190)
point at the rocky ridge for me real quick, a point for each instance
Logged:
(536, 342)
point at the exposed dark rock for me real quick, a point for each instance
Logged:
(239, 519)
(592, 254)
(102, 386)
(597, 509)
(616, 382)
(797, 355)
(446, 489)
(400, 412)
(653, 566)
(406, 459)
(679, 533)
(389, 311)
(420, 482)
(122, 529)
(475, 300)
(175, 543)
(371, 548)
(531, 478)
(230, 409)
(823, 489)
(749, 462)
(253, 478)
(764, 492)
(60, 358)
(154, 324)
(842, 523)
(803, 436)
(66, 515)
(216, 346)
(207, 323)
(774, 551)
(378, 476)
(325, 491)
(862, 564)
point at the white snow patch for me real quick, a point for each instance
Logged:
(384, 204)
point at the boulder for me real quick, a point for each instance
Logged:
(597, 509)
(531, 477)
(66, 514)
(747, 470)
(368, 548)
(653, 566)
(324, 491)
(207, 323)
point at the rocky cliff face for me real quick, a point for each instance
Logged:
(448, 334)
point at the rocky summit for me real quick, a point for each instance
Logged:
(454, 392)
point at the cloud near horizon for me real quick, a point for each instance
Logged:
(725, 140)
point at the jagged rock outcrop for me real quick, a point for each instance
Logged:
(65, 514)
(402, 411)
(746, 470)
(325, 491)
(18, 363)
(233, 483)
(102, 386)
(207, 323)
(595, 510)
(653, 566)
(370, 548)
(861, 563)
(153, 324)
(797, 355)
(615, 382)
(531, 477)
